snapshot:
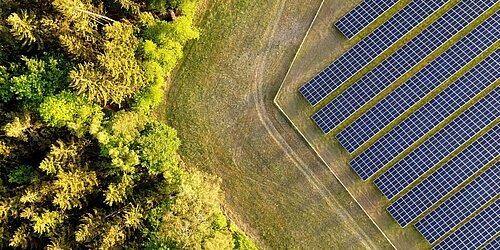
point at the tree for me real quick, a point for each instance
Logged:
(157, 147)
(34, 79)
(75, 112)
(117, 75)
(83, 163)
(24, 27)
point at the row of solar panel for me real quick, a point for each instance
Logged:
(446, 178)
(368, 49)
(493, 245)
(474, 195)
(476, 231)
(461, 205)
(399, 63)
(429, 116)
(419, 85)
(440, 145)
(362, 15)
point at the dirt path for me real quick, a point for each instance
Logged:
(221, 102)
(263, 102)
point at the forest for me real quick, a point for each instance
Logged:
(83, 162)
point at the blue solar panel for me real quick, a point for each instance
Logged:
(439, 145)
(410, 130)
(461, 205)
(362, 15)
(493, 245)
(368, 49)
(399, 63)
(440, 183)
(418, 86)
(476, 231)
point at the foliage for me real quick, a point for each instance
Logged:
(23, 27)
(116, 75)
(34, 79)
(21, 175)
(71, 111)
(83, 164)
(241, 241)
(188, 221)
(158, 145)
(17, 128)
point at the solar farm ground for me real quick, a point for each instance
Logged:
(322, 45)
(221, 101)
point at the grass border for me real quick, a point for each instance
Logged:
(275, 101)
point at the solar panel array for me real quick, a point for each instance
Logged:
(461, 205)
(419, 85)
(476, 231)
(439, 145)
(400, 62)
(361, 16)
(493, 245)
(446, 178)
(448, 198)
(368, 49)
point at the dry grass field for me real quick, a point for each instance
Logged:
(221, 101)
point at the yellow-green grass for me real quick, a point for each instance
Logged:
(220, 101)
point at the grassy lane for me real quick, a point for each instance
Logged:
(221, 103)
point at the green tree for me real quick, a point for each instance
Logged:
(71, 111)
(158, 145)
(117, 74)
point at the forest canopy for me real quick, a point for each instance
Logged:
(83, 163)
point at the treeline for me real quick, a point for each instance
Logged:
(83, 165)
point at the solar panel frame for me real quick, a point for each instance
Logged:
(492, 245)
(461, 205)
(399, 63)
(446, 178)
(474, 232)
(440, 145)
(419, 85)
(364, 52)
(362, 15)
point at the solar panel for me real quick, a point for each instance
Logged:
(461, 205)
(368, 49)
(362, 15)
(493, 245)
(413, 128)
(476, 231)
(446, 178)
(440, 144)
(399, 63)
(419, 85)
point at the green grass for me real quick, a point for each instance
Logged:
(213, 103)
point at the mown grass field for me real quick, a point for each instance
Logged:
(220, 101)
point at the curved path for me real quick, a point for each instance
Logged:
(276, 188)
